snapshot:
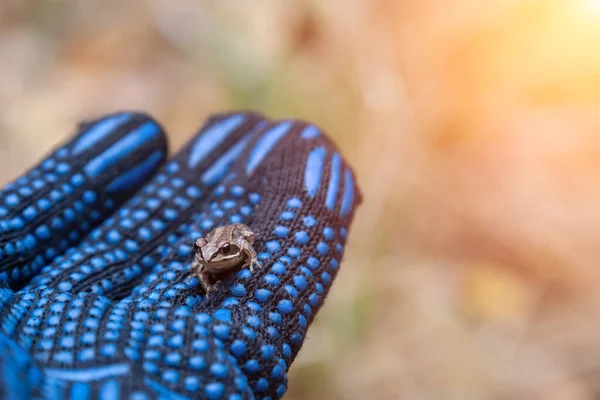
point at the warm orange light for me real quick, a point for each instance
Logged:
(593, 5)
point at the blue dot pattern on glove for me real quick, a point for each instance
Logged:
(59, 201)
(116, 314)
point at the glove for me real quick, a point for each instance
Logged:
(96, 242)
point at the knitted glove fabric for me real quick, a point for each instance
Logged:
(96, 243)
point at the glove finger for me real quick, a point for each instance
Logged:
(298, 195)
(114, 255)
(20, 377)
(56, 203)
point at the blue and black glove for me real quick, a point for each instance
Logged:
(96, 295)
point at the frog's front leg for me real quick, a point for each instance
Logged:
(205, 282)
(196, 267)
(251, 258)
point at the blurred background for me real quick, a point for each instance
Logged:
(474, 265)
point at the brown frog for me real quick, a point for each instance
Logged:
(223, 250)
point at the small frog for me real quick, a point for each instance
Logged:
(223, 250)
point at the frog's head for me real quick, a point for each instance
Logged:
(220, 254)
(223, 248)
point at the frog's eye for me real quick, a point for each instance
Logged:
(228, 249)
(225, 249)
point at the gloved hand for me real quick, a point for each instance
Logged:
(96, 243)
